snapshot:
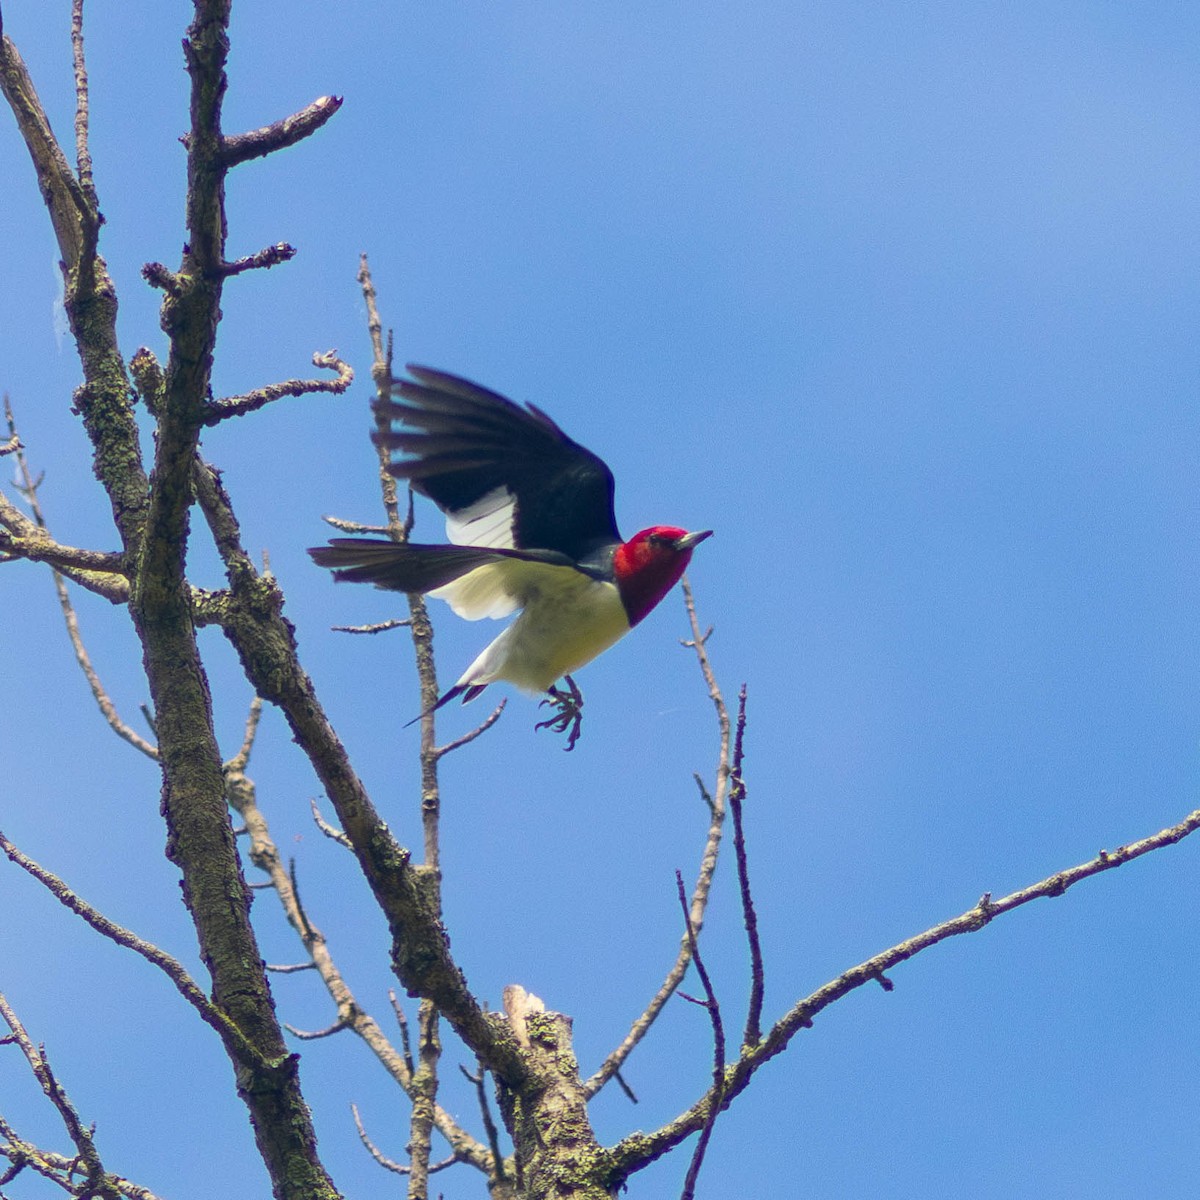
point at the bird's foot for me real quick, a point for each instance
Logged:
(570, 711)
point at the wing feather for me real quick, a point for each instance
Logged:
(498, 470)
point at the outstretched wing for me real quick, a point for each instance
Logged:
(505, 476)
(475, 581)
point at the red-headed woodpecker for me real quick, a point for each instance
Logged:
(529, 513)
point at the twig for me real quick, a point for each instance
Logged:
(58, 1168)
(311, 1035)
(237, 406)
(402, 1024)
(718, 1028)
(708, 861)
(625, 1087)
(241, 759)
(421, 627)
(381, 373)
(335, 835)
(752, 1034)
(424, 1100)
(466, 738)
(485, 1113)
(263, 260)
(98, 1183)
(638, 1150)
(307, 933)
(377, 627)
(83, 154)
(388, 1163)
(263, 852)
(345, 526)
(258, 142)
(169, 966)
(29, 489)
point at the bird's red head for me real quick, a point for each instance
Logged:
(649, 565)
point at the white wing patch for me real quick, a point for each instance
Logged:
(487, 522)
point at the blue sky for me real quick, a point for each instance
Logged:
(902, 301)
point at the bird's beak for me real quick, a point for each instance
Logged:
(690, 540)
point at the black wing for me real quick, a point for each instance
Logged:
(505, 476)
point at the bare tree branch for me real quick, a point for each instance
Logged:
(29, 489)
(390, 1164)
(424, 1100)
(241, 147)
(467, 738)
(375, 627)
(485, 1113)
(238, 406)
(265, 855)
(263, 260)
(708, 861)
(83, 153)
(638, 1150)
(752, 1033)
(172, 968)
(328, 830)
(718, 1028)
(98, 1183)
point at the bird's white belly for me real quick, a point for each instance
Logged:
(558, 631)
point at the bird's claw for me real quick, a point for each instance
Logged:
(570, 711)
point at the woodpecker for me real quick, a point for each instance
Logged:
(530, 522)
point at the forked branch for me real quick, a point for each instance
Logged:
(639, 1149)
(708, 862)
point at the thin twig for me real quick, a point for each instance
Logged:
(629, 1092)
(237, 406)
(638, 1150)
(83, 153)
(381, 373)
(262, 260)
(421, 627)
(752, 1034)
(485, 1113)
(466, 738)
(81, 1137)
(345, 526)
(402, 1024)
(241, 759)
(311, 1035)
(169, 966)
(334, 835)
(263, 852)
(29, 489)
(306, 930)
(718, 1028)
(388, 1164)
(377, 627)
(708, 861)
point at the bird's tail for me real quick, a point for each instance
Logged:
(468, 692)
